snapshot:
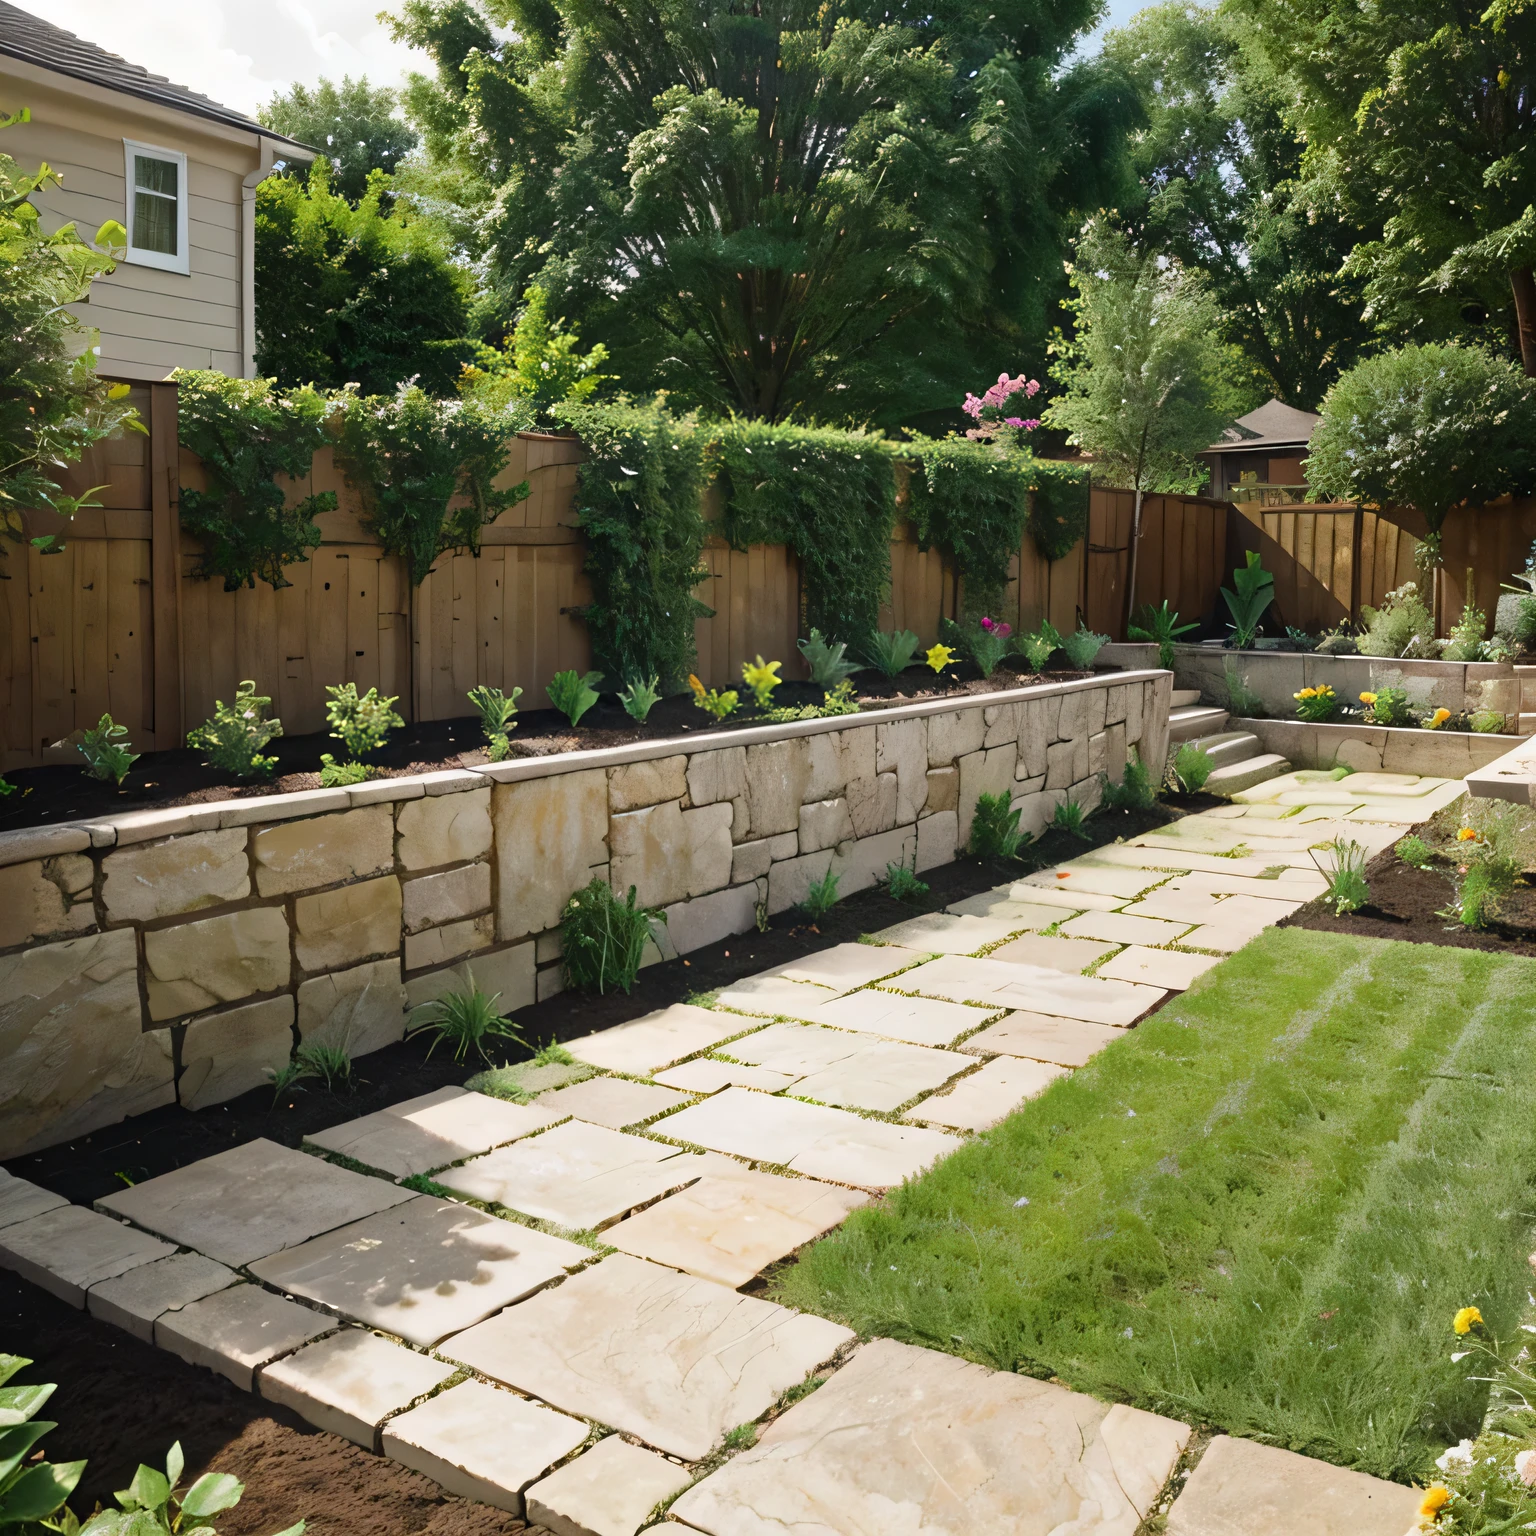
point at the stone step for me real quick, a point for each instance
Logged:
(1233, 777)
(1182, 697)
(1228, 747)
(1194, 721)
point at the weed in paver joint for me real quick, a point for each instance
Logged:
(821, 897)
(995, 831)
(467, 1020)
(742, 1438)
(553, 1054)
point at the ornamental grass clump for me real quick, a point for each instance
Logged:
(1069, 817)
(361, 725)
(1161, 626)
(1134, 792)
(821, 896)
(1192, 766)
(902, 883)
(995, 831)
(465, 1020)
(236, 733)
(1343, 866)
(1320, 703)
(603, 939)
(496, 722)
(105, 750)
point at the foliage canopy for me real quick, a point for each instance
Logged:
(354, 125)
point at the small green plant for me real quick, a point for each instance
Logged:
(902, 882)
(573, 694)
(825, 659)
(821, 897)
(236, 733)
(1134, 792)
(1415, 852)
(1465, 641)
(334, 775)
(1254, 592)
(1161, 626)
(1343, 865)
(1402, 626)
(838, 701)
(1320, 703)
(987, 641)
(995, 830)
(640, 696)
(6, 787)
(496, 722)
(1082, 647)
(1486, 722)
(285, 1079)
(762, 677)
(603, 939)
(1386, 706)
(1038, 646)
(330, 1063)
(361, 725)
(553, 1054)
(1192, 766)
(1069, 818)
(742, 1438)
(467, 1020)
(1300, 639)
(891, 654)
(1525, 623)
(32, 1491)
(105, 750)
(1242, 701)
(1337, 642)
(714, 703)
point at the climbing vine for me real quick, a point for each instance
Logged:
(1060, 516)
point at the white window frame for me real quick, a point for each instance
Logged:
(180, 262)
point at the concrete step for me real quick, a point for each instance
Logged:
(1193, 721)
(1228, 747)
(1183, 697)
(1232, 777)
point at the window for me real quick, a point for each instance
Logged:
(157, 206)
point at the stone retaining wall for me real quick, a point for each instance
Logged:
(1377, 748)
(165, 956)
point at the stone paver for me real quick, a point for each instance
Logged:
(482, 1443)
(1065, 901)
(849, 965)
(1158, 967)
(1102, 880)
(772, 996)
(20, 1199)
(985, 1097)
(1223, 937)
(1066, 1042)
(999, 984)
(235, 1331)
(1293, 885)
(423, 1270)
(432, 1131)
(917, 1020)
(1241, 1488)
(731, 1225)
(577, 1176)
(612, 1101)
(817, 1141)
(241, 1205)
(69, 1249)
(671, 1359)
(1119, 928)
(706, 1075)
(134, 1299)
(351, 1382)
(948, 933)
(607, 1491)
(1073, 956)
(907, 1439)
(647, 1044)
(1000, 904)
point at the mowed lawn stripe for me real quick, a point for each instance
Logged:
(1259, 1209)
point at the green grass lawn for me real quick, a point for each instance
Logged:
(1258, 1211)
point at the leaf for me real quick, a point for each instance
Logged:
(148, 1490)
(18, 1404)
(212, 1493)
(175, 1462)
(16, 1441)
(9, 1365)
(293, 1530)
(39, 1491)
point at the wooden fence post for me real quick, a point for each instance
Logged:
(1356, 553)
(165, 563)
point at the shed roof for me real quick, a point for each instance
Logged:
(1273, 425)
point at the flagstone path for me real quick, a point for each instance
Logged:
(583, 1262)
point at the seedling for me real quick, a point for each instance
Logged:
(1192, 766)
(496, 712)
(236, 733)
(465, 1019)
(903, 884)
(572, 694)
(762, 677)
(603, 939)
(105, 750)
(717, 705)
(821, 897)
(825, 659)
(1039, 647)
(640, 696)
(330, 1063)
(1343, 865)
(995, 831)
(1069, 818)
(1134, 792)
(891, 654)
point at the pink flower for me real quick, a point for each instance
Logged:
(986, 624)
(1525, 1468)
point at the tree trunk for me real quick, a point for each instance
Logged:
(1523, 283)
(1130, 576)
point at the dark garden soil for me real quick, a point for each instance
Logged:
(1406, 904)
(62, 791)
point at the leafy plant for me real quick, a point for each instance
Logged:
(825, 659)
(838, 701)
(1386, 706)
(1525, 623)
(902, 882)
(355, 122)
(1069, 818)
(1337, 642)
(237, 732)
(466, 1019)
(552, 1054)
(714, 703)
(640, 696)
(891, 654)
(1134, 792)
(1242, 701)
(542, 365)
(496, 722)
(1465, 641)
(1083, 646)
(330, 1063)
(820, 897)
(285, 1079)
(1402, 626)
(572, 694)
(762, 677)
(105, 750)
(334, 775)
(1300, 639)
(995, 830)
(1253, 590)
(1344, 867)
(1038, 647)
(1319, 703)
(603, 939)
(1415, 852)
(31, 1490)
(1192, 766)
(987, 641)
(6, 787)
(360, 724)
(1487, 722)
(1160, 625)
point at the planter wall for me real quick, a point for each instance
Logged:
(173, 955)
(1377, 748)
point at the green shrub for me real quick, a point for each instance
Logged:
(1134, 792)
(105, 750)
(1253, 592)
(1242, 701)
(1402, 626)
(361, 725)
(762, 677)
(714, 703)
(1300, 639)
(1069, 818)
(1344, 867)
(1465, 641)
(1525, 623)
(604, 939)
(995, 830)
(1335, 642)
(1386, 706)
(640, 696)
(1486, 722)
(1192, 766)
(1038, 647)
(1415, 852)
(1083, 647)
(467, 1020)
(821, 897)
(825, 660)
(903, 884)
(572, 694)
(891, 654)
(334, 775)
(496, 722)
(1160, 625)
(234, 737)
(986, 642)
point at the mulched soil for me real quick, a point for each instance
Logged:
(1406, 904)
(61, 791)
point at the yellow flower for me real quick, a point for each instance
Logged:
(939, 657)
(1467, 1319)
(696, 685)
(1435, 1499)
(1466, 835)
(1367, 698)
(1437, 719)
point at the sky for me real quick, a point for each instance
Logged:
(240, 52)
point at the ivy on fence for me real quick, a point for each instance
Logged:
(1060, 516)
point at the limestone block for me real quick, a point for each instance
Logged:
(1050, 708)
(1034, 739)
(76, 1057)
(321, 850)
(227, 1054)
(634, 785)
(69, 1249)
(455, 893)
(741, 819)
(824, 824)
(135, 1298)
(1098, 752)
(1095, 707)
(790, 879)
(901, 747)
(1036, 810)
(1058, 765)
(551, 982)
(750, 861)
(1116, 751)
(938, 839)
(1002, 724)
(785, 846)
(1114, 705)
(984, 773)
(550, 833)
(508, 972)
(607, 1491)
(716, 776)
(443, 829)
(439, 945)
(341, 927)
(837, 759)
(360, 1010)
(954, 735)
(181, 874)
(1087, 792)
(1072, 718)
(40, 898)
(707, 919)
(216, 960)
(669, 854)
(872, 804)
(549, 946)
(778, 781)
(861, 863)
(1134, 694)
(943, 790)
(21, 1199)
(239, 1329)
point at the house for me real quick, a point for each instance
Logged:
(1258, 458)
(177, 170)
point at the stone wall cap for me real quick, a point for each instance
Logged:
(29, 843)
(383, 791)
(146, 826)
(302, 802)
(450, 781)
(102, 833)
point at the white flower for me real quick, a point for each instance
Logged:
(1457, 1459)
(1525, 1468)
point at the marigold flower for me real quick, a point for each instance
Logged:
(1435, 1499)
(1437, 719)
(1466, 835)
(1466, 1320)
(1367, 698)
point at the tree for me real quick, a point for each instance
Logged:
(1423, 118)
(1145, 382)
(541, 366)
(835, 209)
(53, 404)
(1432, 427)
(352, 124)
(1219, 170)
(355, 295)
